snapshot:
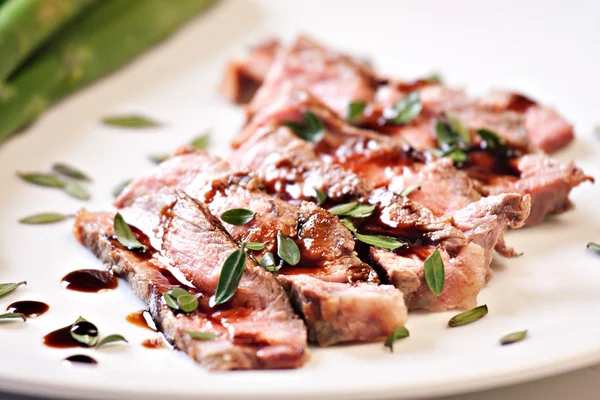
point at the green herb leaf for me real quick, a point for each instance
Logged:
(343, 209)
(158, 158)
(120, 187)
(355, 110)
(230, 276)
(352, 210)
(77, 190)
(44, 218)
(238, 216)
(408, 190)
(201, 142)
(434, 272)
(171, 301)
(268, 263)
(459, 127)
(12, 315)
(513, 338)
(360, 211)
(178, 292)
(125, 236)
(399, 333)
(490, 139)
(6, 288)
(130, 121)
(110, 339)
(348, 224)
(311, 131)
(256, 246)
(468, 316)
(287, 249)
(41, 179)
(374, 240)
(187, 303)
(84, 332)
(447, 137)
(70, 172)
(434, 78)
(180, 299)
(594, 246)
(321, 196)
(406, 109)
(384, 242)
(202, 335)
(457, 155)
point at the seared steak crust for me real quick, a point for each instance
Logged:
(291, 169)
(330, 276)
(521, 122)
(257, 330)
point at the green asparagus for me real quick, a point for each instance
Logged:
(25, 24)
(108, 36)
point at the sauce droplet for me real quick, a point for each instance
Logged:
(30, 308)
(61, 339)
(154, 343)
(79, 359)
(90, 281)
(142, 319)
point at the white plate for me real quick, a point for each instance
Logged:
(549, 51)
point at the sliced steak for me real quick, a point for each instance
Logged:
(257, 329)
(547, 181)
(292, 169)
(330, 280)
(444, 189)
(244, 76)
(338, 79)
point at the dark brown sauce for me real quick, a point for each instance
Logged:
(61, 339)
(30, 308)
(520, 103)
(154, 343)
(142, 319)
(80, 359)
(90, 281)
(142, 238)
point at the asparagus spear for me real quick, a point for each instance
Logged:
(25, 24)
(110, 35)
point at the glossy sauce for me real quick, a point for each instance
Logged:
(154, 343)
(142, 319)
(90, 281)
(31, 309)
(61, 339)
(79, 359)
(520, 103)
(146, 254)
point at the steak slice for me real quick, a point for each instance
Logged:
(383, 162)
(292, 170)
(257, 329)
(338, 79)
(244, 76)
(330, 281)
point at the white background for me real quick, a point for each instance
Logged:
(546, 49)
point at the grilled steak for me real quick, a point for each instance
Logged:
(337, 294)
(257, 328)
(243, 77)
(338, 79)
(291, 169)
(385, 162)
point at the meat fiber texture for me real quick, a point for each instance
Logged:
(338, 295)
(291, 169)
(384, 160)
(256, 329)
